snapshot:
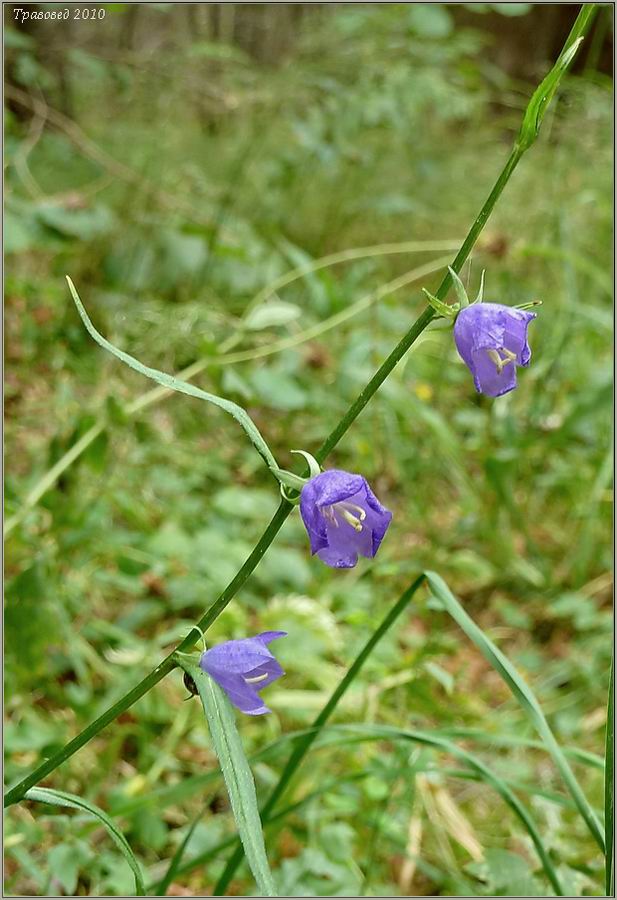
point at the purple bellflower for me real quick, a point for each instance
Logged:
(492, 341)
(343, 518)
(242, 668)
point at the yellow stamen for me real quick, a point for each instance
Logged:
(352, 520)
(361, 512)
(500, 363)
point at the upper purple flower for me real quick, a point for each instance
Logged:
(492, 340)
(343, 517)
(242, 668)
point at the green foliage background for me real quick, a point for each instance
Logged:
(188, 178)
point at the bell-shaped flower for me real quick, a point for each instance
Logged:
(343, 518)
(492, 340)
(243, 668)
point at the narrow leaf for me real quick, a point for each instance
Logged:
(545, 91)
(523, 694)
(175, 384)
(61, 798)
(236, 773)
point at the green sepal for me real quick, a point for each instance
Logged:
(529, 305)
(480, 294)
(294, 499)
(459, 289)
(288, 478)
(441, 308)
(314, 467)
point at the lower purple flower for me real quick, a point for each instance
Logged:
(343, 518)
(492, 341)
(243, 668)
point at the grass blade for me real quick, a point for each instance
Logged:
(61, 798)
(175, 384)
(236, 772)
(523, 694)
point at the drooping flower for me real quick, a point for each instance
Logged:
(343, 517)
(243, 668)
(492, 340)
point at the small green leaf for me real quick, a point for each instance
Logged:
(236, 772)
(545, 91)
(72, 801)
(459, 289)
(441, 308)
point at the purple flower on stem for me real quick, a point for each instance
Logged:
(343, 518)
(492, 340)
(243, 668)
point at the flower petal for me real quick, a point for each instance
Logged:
(488, 380)
(492, 326)
(267, 636)
(332, 486)
(235, 656)
(337, 559)
(243, 696)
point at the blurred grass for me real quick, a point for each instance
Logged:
(376, 133)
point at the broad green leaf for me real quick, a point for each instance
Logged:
(236, 772)
(523, 694)
(175, 384)
(72, 801)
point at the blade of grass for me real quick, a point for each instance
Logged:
(523, 694)
(61, 798)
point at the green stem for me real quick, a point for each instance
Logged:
(16, 793)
